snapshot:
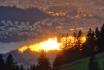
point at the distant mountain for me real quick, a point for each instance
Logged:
(29, 14)
(22, 24)
(18, 24)
(27, 58)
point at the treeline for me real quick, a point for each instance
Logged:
(94, 44)
(9, 64)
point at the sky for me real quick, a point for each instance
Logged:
(94, 9)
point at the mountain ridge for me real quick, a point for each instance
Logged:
(16, 23)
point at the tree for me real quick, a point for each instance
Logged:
(33, 67)
(102, 29)
(77, 36)
(101, 41)
(43, 63)
(17, 67)
(79, 33)
(10, 65)
(97, 35)
(37, 67)
(89, 47)
(72, 54)
(1, 62)
(22, 68)
(78, 42)
(59, 60)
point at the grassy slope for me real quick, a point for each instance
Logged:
(83, 63)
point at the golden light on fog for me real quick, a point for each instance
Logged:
(52, 44)
(56, 13)
(71, 40)
(48, 45)
(83, 39)
(22, 49)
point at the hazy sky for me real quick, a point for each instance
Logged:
(95, 8)
(44, 3)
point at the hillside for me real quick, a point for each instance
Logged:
(82, 64)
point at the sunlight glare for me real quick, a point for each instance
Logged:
(48, 45)
(52, 44)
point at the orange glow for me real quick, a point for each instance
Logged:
(71, 41)
(52, 44)
(56, 13)
(83, 39)
(49, 45)
(22, 49)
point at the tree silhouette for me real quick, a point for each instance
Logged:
(59, 60)
(22, 68)
(74, 53)
(17, 67)
(78, 40)
(33, 67)
(101, 41)
(37, 67)
(89, 46)
(97, 35)
(43, 63)
(1, 62)
(10, 65)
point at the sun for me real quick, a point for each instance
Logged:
(50, 44)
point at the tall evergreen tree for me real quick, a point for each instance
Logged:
(89, 46)
(79, 33)
(10, 65)
(33, 67)
(78, 42)
(43, 63)
(17, 67)
(97, 35)
(1, 62)
(101, 41)
(22, 68)
(59, 60)
(77, 36)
